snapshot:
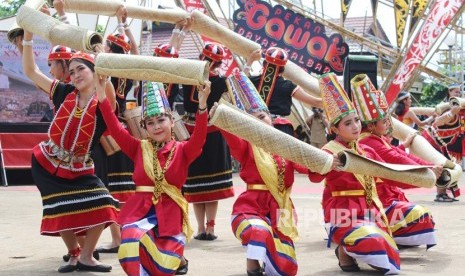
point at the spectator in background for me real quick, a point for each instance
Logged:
(318, 125)
(4, 82)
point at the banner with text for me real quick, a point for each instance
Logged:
(304, 39)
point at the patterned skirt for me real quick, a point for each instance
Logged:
(368, 243)
(120, 171)
(144, 252)
(210, 175)
(264, 244)
(78, 204)
(411, 224)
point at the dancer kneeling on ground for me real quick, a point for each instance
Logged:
(411, 224)
(155, 220)
(353, 213)
(269, 177)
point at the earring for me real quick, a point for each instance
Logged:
(173, 137)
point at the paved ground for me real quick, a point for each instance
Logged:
(24, 252)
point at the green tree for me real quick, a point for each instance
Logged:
(10, 7)
(432, 94)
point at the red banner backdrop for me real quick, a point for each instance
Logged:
(436, 22)
(229, 64)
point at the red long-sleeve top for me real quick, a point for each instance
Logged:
(394, 155)
(169, 215)
(257, 202)
(339, 181)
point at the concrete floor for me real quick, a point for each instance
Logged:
(24, 252)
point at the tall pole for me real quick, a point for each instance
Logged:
(450, 60)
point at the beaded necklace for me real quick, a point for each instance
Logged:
(157, 170)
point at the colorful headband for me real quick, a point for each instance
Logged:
(121, 40)
(60, 52)
(336, 103)
(276, 56)
(213, 51)
(154, 100)
(84, 56)
(454, 86)
(166, 50)
(244, 94)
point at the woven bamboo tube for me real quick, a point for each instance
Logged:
(297, 75)
(159, 69)
(238, 44)
(419, 176)
(423, 149)
(457, 101)
(109, 8)
(244, 47)
(55, 31)
(441, 108)
(428, 111)
(16, 30)
(270, 139)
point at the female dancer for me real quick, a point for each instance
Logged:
(255, 216)
(404, 114)
(75, 201)
(210, 175)
(155, 220)
(119, 168)
(411, 224)
(355, 217)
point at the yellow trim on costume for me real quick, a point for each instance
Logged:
(257, 187)
(173, 192)
(281, 247)
(120, 174)
(416, 213)
(284, 248)
(268, 171)
(79, 211)
(247, 222)
(73, 192)
(349, 193)
(144, 189)
(336, 147)
(122, 192)
(128, 250)
(209, 175)
(164, 260)
(366, 230)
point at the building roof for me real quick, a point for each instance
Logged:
(364, 27)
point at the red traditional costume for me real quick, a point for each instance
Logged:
(352, 209)
(73, 197)
(258, 212)
(155, 220)
(410, 224)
